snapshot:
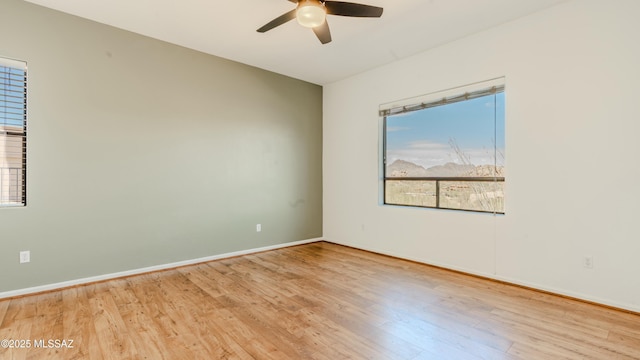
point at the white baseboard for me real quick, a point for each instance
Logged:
(92, 279)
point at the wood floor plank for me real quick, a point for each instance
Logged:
(158, 314)
(44, 329)
(316, 301)
(77, 323)
(4, 306)
(115, 340)
(344, 342)
(20, 331)
(20, 309)
(150, 343)
(192, 304)
(530, 350)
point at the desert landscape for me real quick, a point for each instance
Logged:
(448, 186)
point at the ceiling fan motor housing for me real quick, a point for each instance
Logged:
(311, 13)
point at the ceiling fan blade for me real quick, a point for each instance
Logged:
(323, 33)
(351, 9)
(278, 21)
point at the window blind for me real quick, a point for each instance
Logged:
(443, 97)
(13, 132)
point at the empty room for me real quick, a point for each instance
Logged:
(308, 179)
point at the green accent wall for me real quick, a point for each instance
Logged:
(143, 153)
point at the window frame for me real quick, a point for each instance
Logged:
(11, 112)
(440, 98)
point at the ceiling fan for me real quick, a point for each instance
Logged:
(313, 13)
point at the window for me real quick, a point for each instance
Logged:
(446, 150)
(13, 132)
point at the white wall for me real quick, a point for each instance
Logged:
(573, 120)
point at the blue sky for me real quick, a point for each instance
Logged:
(423, 137)
(12, 85)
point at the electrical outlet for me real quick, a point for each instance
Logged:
(258, 227)
(588, 262)
(25, 256)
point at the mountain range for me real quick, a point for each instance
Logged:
(402, 168)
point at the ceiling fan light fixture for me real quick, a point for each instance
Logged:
(311, 13)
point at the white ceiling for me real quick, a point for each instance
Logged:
(228, 29)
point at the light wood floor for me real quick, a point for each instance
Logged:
(316, 301)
